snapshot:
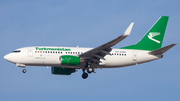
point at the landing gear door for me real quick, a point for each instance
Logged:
(134, 56)
(30, 52)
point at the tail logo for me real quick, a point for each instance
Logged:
(153, 34)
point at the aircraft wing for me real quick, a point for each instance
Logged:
(100, 52)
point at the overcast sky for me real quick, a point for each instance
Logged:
(88, 23)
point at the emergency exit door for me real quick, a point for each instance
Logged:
(134, 56)
(30, 52)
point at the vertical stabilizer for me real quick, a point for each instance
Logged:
(153, 38)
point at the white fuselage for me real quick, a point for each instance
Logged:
(49, 56)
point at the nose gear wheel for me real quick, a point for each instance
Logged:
(24, 70)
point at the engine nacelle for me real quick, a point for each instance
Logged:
(62, 71)
(69, 60)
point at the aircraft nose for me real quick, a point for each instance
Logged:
(8, 57)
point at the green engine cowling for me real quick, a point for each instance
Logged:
(62, 71)
(69, 60)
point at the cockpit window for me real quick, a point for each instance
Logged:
(16, 51)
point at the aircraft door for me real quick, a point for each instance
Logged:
(30, 52)
(134, 56)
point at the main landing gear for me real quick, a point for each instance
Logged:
(84, 75)
(89, 70)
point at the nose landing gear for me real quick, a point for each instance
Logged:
(24, 70)
(23, 66)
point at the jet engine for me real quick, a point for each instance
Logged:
(70, 60)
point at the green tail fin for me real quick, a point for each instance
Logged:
(153, 38)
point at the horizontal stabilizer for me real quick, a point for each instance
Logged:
(162, 50)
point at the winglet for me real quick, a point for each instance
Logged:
(128, 30)
(162, 50)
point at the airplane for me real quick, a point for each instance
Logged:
(66, 60)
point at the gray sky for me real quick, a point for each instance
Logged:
(88, 23)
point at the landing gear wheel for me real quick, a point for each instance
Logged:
(84, 75)
(89, 70)
(24, 70)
